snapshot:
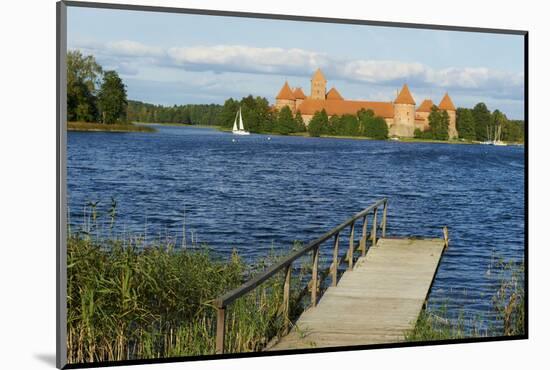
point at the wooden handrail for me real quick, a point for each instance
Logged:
(223, 301)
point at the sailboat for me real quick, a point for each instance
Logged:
(488, 141)
(498, 133)
(239, 130)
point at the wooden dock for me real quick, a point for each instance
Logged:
(376, 302)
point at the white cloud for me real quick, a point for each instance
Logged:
(133, 49)
(238, 58)
(473, 78)
(380, 71)
(300, 62)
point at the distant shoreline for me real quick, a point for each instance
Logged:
(402, 140)
(145, 127)
(177, 124)
(103, 127)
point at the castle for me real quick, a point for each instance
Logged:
(401, 115)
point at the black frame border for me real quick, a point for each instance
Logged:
(61, 298)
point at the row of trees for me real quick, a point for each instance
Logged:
(193, 114)
(365, 123)
(480, 124)
(476, 124)
(93, 95)
(259, 117)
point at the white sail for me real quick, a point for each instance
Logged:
(241, 126)
(235, 123)
(239, 129)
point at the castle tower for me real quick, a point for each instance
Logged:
(318, 85)
(285, 97)
(446, 104)
(300, 96)
(404, 114)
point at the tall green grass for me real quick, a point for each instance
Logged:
(128, 300)
(508, 303)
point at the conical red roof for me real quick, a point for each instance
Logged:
(318, 75)
(405, 96)
(446, 103)
(426, 106)
(333, 94)
(285, 93)
(299, 94)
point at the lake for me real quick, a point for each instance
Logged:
(258, 193)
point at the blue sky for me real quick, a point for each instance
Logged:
(178, 58)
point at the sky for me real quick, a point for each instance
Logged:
(170, 59)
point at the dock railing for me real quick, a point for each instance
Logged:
(222, 302)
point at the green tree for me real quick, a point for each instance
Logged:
(377, 128)
(264, 114)
(112, 98)
(513, 131)
(439, 124)
(228, 113)
(349, 125)
(465, 124)
(84, 69)
(318, 124)
(300, 125)
(372, 126)
(334, 127)
(83, 75)
(285, 122)
(482, 119)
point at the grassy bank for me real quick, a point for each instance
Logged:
(178, 125)
(127, 301)
(101, 127)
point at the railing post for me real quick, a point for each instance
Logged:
(220, 330)
(364, 237)
(384, 215)
(286, 297)
(446, 236)
(335, 259)
(314, 277)
(374, 222)
(350, 251)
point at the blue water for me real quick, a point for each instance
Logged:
(255, 194)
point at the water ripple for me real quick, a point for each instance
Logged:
(254, 195)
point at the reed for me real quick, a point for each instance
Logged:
(508, 303)
(130, 300)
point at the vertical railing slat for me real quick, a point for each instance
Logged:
(384, 215)
(350, 250)
(220, 330)
(314, 277)
(374, 222)
(364, 237)
(335, 259)
(286, 298)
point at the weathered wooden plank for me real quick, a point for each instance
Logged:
(376, 302)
